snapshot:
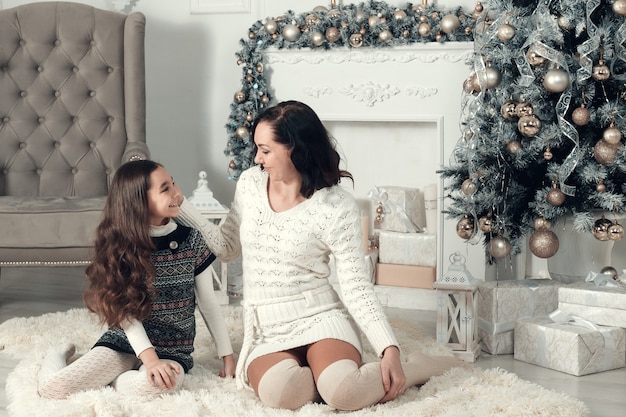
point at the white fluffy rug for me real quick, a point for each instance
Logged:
(468, 393)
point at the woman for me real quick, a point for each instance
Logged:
(144, 280)
(289, 215)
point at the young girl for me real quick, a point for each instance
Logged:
(144, 280)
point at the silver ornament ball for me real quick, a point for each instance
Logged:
(291, 32)
(556, 80)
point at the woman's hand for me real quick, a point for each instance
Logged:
(392, 373)
(229, 367)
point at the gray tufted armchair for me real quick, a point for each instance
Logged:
(72, 110)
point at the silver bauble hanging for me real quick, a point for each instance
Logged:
(506, 32)
(556, 80)
(492, 77)
(291, 32)
(612, 135)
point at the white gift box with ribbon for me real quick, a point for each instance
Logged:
(570, 344)
(597, 300)
(398, 209)
(501, 303)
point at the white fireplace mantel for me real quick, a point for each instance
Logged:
(409, 100)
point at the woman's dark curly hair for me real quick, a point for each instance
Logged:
(313, 152)
(121, 272)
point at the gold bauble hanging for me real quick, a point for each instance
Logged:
(469, 187)
(541, 223)
(543, 243)
(547, 154)
(485, 224)
(534, 58)
(492, 77)
(600, 72)
(499, 247)
(317, 38)
(513, 147)
(615, 231)
(556, 80)
(612, 135)
(524, 109)
(356, 40)
(604, 152)
(465, 227)
(529, 125)
(601, 228)
(240, 97)
(332, 34)
(291, 32)
(619, 7)
(555, 196)
(232, 164)
(424, 29)
(581, 116)
(600, 187)
(449, 23)
(270, 26)
(506, 32)
(508, 110)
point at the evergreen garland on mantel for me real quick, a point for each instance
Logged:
(374, 24)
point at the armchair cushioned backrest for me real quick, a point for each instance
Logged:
(71, 80)
(72, 110)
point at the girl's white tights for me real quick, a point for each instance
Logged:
(99, 367)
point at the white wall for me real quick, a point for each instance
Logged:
(192, 75)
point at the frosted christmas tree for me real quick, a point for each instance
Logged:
(543, 122)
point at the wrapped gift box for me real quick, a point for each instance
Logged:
(403, 208)
(569, 347)
(501, 303)
(412, 276)
(407, 248)
(602, 305)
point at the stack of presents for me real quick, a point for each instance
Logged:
(403, 242)
(577, 328)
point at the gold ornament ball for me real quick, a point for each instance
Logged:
(317, 38)
(424, 29)
(385, 35)
(240, 97)
(406, 33)
(506, 32)
(373, 21)
(601, 187)
(499, 247)
(291, 32)
(270, 26)
(311, 20)
(469, 187)
(529, 125)
(232, 164)
(259, 68)
(615, 231)
(399, 14)
(492, 77)
(475, 83)
(356, 40)
(581, 116)
(534, 58)
(556, 80)
(242, 132)
(320, 9)
(485, 224)
(524, 109)
(251, 35)
(555, 197)
(249, 117)
(612, 135)
(334, 13)
(449, 23)
(619, 7)
(465, 227)
(508, 111)
(564, 23)
(604, 152)
(601, 229)
(543, 243)
(547, 154)
(265, 99)
(513, 147)
(541, 223)
(332, 34)
(600, 72)
(467, 86)
(360, 16)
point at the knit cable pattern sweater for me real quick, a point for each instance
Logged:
(288, 299)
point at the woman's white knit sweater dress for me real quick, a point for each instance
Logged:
(288, 300)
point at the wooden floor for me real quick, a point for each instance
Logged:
(28, 292)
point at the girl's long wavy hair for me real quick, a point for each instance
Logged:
(313, 152)
(121, 273)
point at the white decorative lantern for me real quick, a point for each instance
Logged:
(202, 197)
(457, 324)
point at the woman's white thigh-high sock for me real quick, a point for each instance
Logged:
(135, 382)
(95, 369)
(287, 385)
(345, 386)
